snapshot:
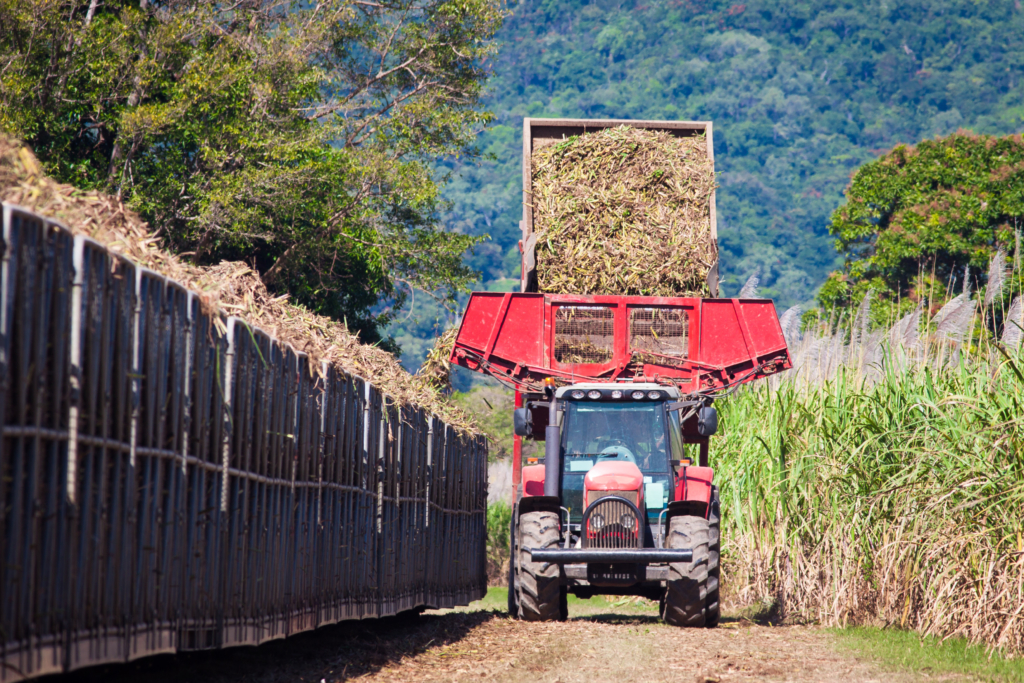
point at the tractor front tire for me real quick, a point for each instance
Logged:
(539, 583)
(687, 586)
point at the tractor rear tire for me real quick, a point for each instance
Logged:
(540, 583)
(687, 586)
(713, 606)
(513, 583)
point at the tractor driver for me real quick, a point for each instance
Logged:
(648, 435)
(642, 435)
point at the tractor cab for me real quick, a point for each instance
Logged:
(618, 441)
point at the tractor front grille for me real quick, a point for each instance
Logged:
(612, 522)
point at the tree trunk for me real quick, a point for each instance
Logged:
(113, 172)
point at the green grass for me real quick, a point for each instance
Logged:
(605, 604)
(908, 651)
(497, 599)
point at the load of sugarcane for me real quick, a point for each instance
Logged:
(624, 211)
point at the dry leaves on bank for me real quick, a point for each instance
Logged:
(230, 287)
(436, 370)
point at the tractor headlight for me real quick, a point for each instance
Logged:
(594, 394)
(628, 520)
(596, 522)
(616, 394)
(578, 394)
(637, 395)
(653, 394)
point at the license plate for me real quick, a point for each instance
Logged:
(611, 574)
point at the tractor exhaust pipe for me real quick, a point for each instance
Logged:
(552, 444)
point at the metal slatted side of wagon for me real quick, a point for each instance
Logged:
(441, 522)
(101, 534)
(307, 485)
(203, 586)
(256, 490)
(477, 502)
(410, 492)
(419, 484)
(159, 429)
(348, 495)
(387, 509)
(369, 514)
(278, 561)
(173, 480)
(330, 545)
(36, 300)
(470, 512)
(433, 521)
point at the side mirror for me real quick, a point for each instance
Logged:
(707, 421)
(522, 422)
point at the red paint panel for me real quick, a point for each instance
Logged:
(763, 326)
(723, 332)
(519, 336)
(721, 340)
(478, 321)
(510, 336)
(613, 476)
(533, 480)
(697, 485)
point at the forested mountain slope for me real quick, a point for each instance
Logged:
(801, 94)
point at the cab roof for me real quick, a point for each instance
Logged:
(668, 391)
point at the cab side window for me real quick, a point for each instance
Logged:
(675, 433)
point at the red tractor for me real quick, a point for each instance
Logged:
(620, 390)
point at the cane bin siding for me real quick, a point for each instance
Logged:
(176, 482)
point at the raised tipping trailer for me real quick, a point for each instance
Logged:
(617, 387)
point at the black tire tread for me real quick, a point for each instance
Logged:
(513, 588)
(540, 583)
(686, 588)
(712, 604)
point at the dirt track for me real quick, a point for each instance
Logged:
(599, 643)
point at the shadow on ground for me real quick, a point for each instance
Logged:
(626, 619)
(342, 651)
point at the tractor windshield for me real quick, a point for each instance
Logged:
(601, 432)
(617, 431)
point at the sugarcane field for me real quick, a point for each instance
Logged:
(511, 341)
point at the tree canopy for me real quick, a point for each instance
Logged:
(299, 137)
(927, 212)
